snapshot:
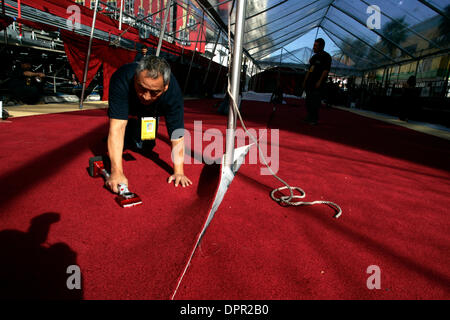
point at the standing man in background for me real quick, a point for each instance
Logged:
(314, 83)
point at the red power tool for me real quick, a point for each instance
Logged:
(125, 198)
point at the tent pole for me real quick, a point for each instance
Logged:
(447, 74)
(235, 80)
(252, 79)
(281, 56)
(417, 68)
(163, 27)
(218, 74)
(193, 55)
(86, 66)
(382, 77)
(212, 57)
(257, 79)
(5, 32)
(388, 77)
(19, 15)
(120, 15)
(339, 64)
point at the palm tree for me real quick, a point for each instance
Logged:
(354, 49)
(374, 54)
(396, 32)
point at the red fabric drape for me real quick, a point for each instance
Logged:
(113, 58)
(103, 22)
(76, 48)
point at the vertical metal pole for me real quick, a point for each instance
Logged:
(121, 14)
(193, 55)
(210, 60)
(235, 79)
(252, 79)
(317, 33)
(339, 65)
(174, 21)
(19, 13)
(388, 76)
(257, 75)
(86, 66)
(218, 75)
(163, 27)
(446, 80)
(279, 69)
(417, 68)
(5, 32)
(182, 54)
(382, 78)
(187, 23)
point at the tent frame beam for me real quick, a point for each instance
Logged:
(374, 31)
(348, 31)
(208, 8)
(408, 28)
(435, 9)
(327, 31)
(286, 34)
(290, 24)
(284, 16)
(263, 53)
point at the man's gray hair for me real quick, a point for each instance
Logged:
(155, 66)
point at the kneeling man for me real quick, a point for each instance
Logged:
(139, 93)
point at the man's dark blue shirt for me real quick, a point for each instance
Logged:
(124, 102)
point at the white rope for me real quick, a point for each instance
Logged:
(283, 200)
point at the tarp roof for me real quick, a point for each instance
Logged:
(283, 31)
(407, 29)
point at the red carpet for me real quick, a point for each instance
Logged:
(392, 184)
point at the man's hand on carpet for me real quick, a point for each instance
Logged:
(180, 179)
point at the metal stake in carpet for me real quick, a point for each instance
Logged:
(233, 158)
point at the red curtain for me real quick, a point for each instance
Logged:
(113, 58)
(103, 23)
(76, 48)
